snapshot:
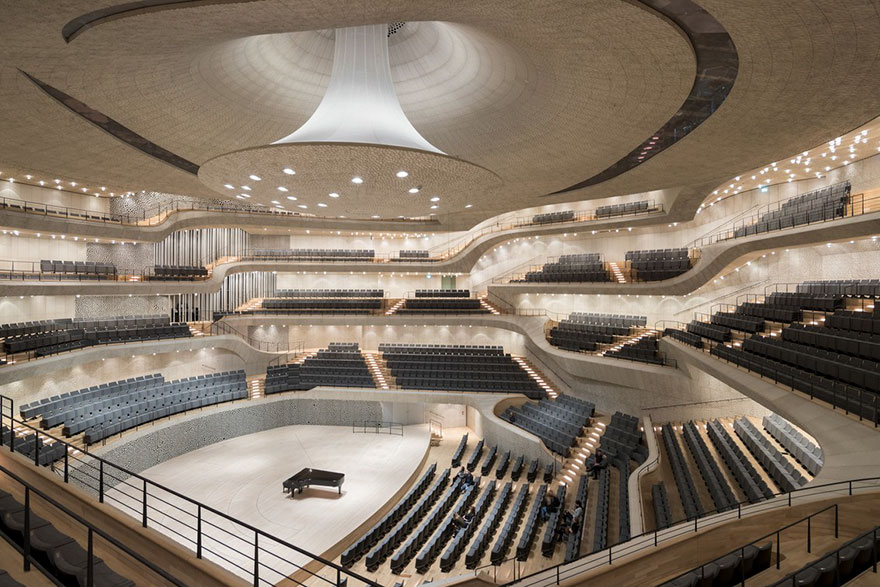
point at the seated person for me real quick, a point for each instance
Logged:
(468, 479)
(465, 520)
(576, 516)
(599, 463)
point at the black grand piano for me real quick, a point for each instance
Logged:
(309, 477)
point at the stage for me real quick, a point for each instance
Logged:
(243, 477)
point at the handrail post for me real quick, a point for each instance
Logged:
(256, 559)
(144, 512)
(199, 531)
(37, 450)
(778, 551)
(90, 568)
(101, 481)
(836, 521)
(810, 534)
(66, 465)
(27, 529)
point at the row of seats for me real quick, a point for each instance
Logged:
(508, 531)
(329, 293)
(39, 449)
(189, 272)
(729, 570)
(687, 490)
(442, 306)
(656, 255)
(459, 452)
(738, 322)
(780, 469)
(842, 395)
(622, 209)
(551, 217)
(384, 548)
(62, 557)
(714, 332)
(719, 490)
(786, 315)
(580, 258)
(493, 519)
(660, 501)
(49, 405)
(314, 254)
(34, 327)
(582, 267)
(443, 293)
(839, 565)
(456, 547)
(857, 288)
(751, 483)
(527, 538)
(414, 254)
(123, 321)
(573, 543)
(603, 499)
(447, 529)
(363, 544)
(805, 301)
(425, 529)
(440, 349)
(694, 340)
(78, 267)
(476, 456)
(799, 446)
(643, 350)
(659, 270)
(620, 320)
(317, 305)
(864, 322)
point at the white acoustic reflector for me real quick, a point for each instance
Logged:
(360, 105)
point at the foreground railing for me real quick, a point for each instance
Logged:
(651, 540)
(207, 532)
(377, 427)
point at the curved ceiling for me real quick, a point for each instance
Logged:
(543, 96)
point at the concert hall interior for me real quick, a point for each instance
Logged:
(382, 293)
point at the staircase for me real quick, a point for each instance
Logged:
(618, 274)
(256, 387)
(199, 328)
(484, 303)
(251, 304)
(395, 307)
(377, 369)
(637, 336)
(573, 466)
(537, 376)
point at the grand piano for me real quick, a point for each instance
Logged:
(308, 477)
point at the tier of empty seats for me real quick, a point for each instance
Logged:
(739, 322)
(780, 469)
(314, 254)
(584, 267)
(826, 203)
(711, 331)
(805, 301)
(839, 565)
(551, 217)
(533, 522)
(161, 272)
(460, 540)
(458, 368)
(414, 254)
(104, 410)
(447, 529)
(34, 327)
(687, 491)
(329, 293)
(686, 337)
(508, 531)
(339, 365)
(556, 422)
(442, 306)
(751, 483)
(493, 519)
(731, 569)
(36, 448)
(719, 490)
(573, 542)
(618, 320)
(658, 264)
(860, 288)
(322, 305)
(87, 269)
(622, 209)
(662, 515)
(55, 336)
(643, 350)
(443, 293)
(61, 557)
(799, 446)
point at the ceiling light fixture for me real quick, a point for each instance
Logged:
(401, 174)
(289, 171)
(333, 195)
(357, 180)
(255, 177)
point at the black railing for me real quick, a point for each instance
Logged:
(209, 533)
(377, 427)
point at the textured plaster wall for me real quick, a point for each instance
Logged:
(110, 306)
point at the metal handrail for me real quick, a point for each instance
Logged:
(92, 530)
(261, 538)
(555, 574)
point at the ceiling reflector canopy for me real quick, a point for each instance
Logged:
(360, 105)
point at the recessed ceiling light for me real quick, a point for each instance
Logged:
(322, 205)
(435, 199)
(246, 188)
(255, 177)
(333, 195)
(468, 205)
(413, 190)
(289, 171)
(240, 197)
(402, 173)
(376, 215)
(281, 188)
(229, 186)
(291, 198)
(357, 180)
(434, 207)
(303, 206)
(244, 195)
(275, 202)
